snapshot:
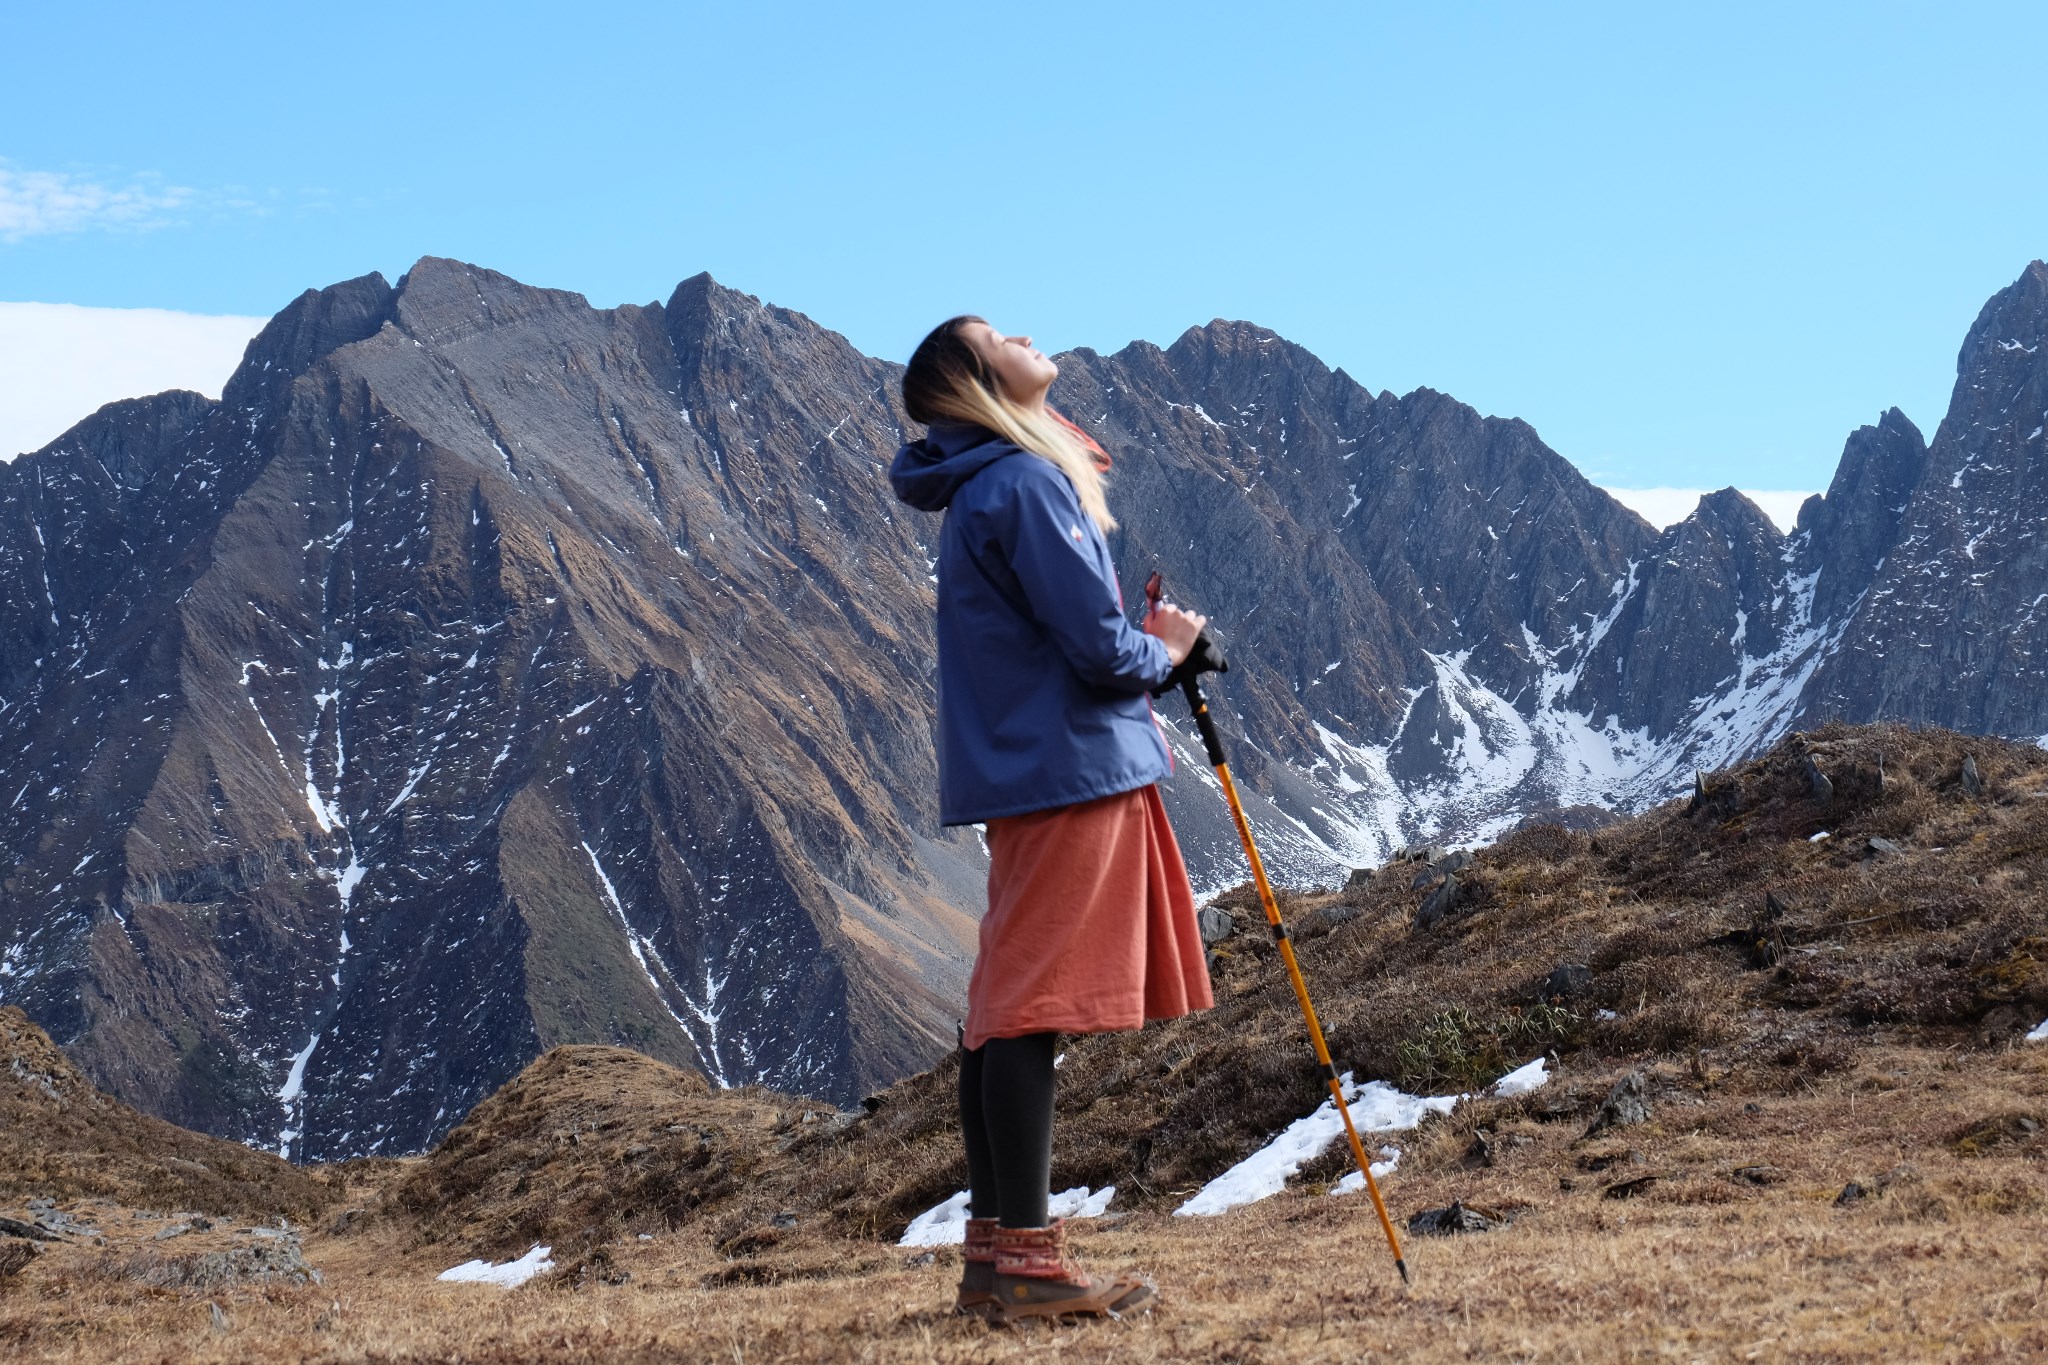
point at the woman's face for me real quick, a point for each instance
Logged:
(1021, 368)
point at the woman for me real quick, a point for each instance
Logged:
(1046, 736)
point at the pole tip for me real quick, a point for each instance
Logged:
(1402, 1266)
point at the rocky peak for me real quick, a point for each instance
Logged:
(2010, 327)
(441, 301)
(1728, 512)
(701, 302)
(704, 291)
(113, 499)
(1258, 401)
(720, 333)
(529, 670)
(128, 441)
(1850, 529)
(1950, 625)
(1993, 433)
(1720, 565)
(1225, 348)
(1879, 469)
(314, 324)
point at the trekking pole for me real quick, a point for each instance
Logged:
(1198, 706)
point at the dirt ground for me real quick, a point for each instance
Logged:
(1735, 1249)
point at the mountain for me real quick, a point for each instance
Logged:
(1948, 625)
(483, 672)
(1449, 628)
(486, 672)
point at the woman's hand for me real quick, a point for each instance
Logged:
(1177, 630)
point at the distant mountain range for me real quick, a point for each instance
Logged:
(485, 671)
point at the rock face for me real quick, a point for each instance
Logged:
(1948, 625)
(1440, 625)
(486, 672)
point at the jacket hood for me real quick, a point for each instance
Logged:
(926, 474)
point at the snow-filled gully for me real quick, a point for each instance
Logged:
(330, 814)
(704, 1037)
(1504, 758)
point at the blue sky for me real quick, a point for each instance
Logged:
(1694, 246)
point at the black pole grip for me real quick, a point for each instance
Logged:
(1198, 707)
(1203, 658)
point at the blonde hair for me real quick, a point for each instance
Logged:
(947, 380)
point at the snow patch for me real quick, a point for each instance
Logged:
(508, 1275)
(1389, 1162)
(941, 1225)
(291, 1096)
(412, 780)
(1522, 1079)
(946, 1224)
(1375, 1107)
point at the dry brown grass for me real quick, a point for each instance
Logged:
(1736, 1251)
(518, 1169)
(1807, 1015)
(61, 1138)
(1933, 948)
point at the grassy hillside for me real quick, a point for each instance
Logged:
(1805, 1013)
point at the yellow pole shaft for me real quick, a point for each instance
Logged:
(1308, 1010)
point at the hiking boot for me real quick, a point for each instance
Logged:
(978, 1271)
(1035, 1278)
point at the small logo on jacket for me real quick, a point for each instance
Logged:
(1075, 531)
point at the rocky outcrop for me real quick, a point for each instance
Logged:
(1848, 532)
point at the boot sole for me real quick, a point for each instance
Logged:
(983, 1306)
(1140, 1299)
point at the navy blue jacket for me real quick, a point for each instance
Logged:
(1042, 679)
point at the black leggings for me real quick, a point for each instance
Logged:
(1006, 1125)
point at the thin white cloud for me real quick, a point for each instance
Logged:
(45, 203)
(1665, 507)
(60, 362)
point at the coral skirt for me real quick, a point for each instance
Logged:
(1090, 925)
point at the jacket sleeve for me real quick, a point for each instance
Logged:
(1052, 550)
